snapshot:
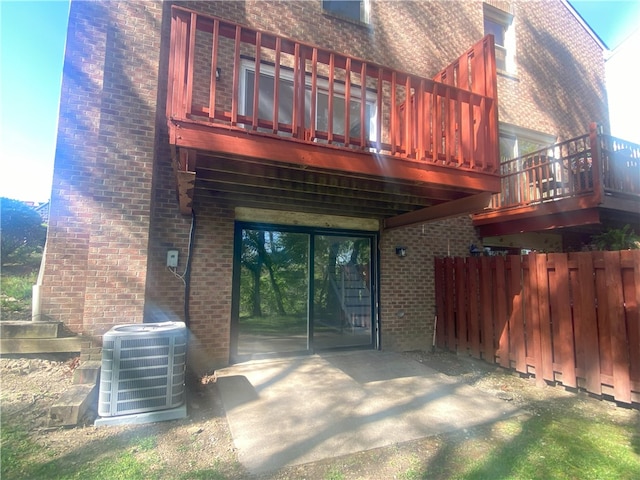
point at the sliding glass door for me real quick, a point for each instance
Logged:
(343, 298)
(300, 290)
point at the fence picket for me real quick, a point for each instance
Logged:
(604, 331)
(474, 322)
(440, 303)
(450, 310)
(487, 330)
(631, 282)
(586, 295)
(502, 321)
(534, 325)
(564, 345)
(461, 310)
(546, 349)
(617, 327)
(516, 319)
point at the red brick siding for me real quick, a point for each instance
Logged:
(407, 285)
(211, 282)
(68, 235)
(559, 85)
(211, 269)
(101, 195)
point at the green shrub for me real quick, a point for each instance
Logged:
(21, 229)
(617, 239)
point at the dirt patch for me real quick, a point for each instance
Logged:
(202, 443)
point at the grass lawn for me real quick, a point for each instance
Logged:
(16, 288)
(551, 445)
(548, 445)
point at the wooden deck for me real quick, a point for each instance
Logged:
(570, 184)
(324, 132)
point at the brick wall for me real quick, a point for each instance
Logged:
(68, 235)
(559, 85)
(211, 269)
(96, 262)
(407, 285)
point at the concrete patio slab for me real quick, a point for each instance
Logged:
(298, 410)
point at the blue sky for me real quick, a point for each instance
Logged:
(32, 39)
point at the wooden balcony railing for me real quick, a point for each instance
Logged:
(592, 164)
(317, 96)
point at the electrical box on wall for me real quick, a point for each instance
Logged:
(172, 258)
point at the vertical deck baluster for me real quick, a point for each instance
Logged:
(450, 124)
(332, 72)
(379, 113)
(215, 45)
(419, 95)
(302, 87)
(468, 134)
(409, 103)
(256, 83)
(176, 66)
(363, 105)
(457, 116)
(236, 76)
(347, 102)
(469, 138)
(394, 114)
(464, 115)
(481, 131)
(491, 91)
(314, 94)
(295, 120)
(435, 123)
(182, 62)
(427, 130)
(276, 87)
(190, 63)
(596, 163)
(477, 87)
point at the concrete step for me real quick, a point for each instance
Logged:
(29, 337)
(78, 405)
(28, 329)
(39, 345)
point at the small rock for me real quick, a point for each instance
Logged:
(504, 396)
(195, 430)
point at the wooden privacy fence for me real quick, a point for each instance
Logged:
(572, 318)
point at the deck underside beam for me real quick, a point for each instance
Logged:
(467, 205)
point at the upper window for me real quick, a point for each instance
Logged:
(356, 10)
(500, 24)
(517, 141)
(285, 102)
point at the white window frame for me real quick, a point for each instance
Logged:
(507, 22)
(322, 88)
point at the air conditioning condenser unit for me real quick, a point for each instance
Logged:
(142, 376)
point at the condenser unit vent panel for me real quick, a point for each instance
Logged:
(143, 368)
